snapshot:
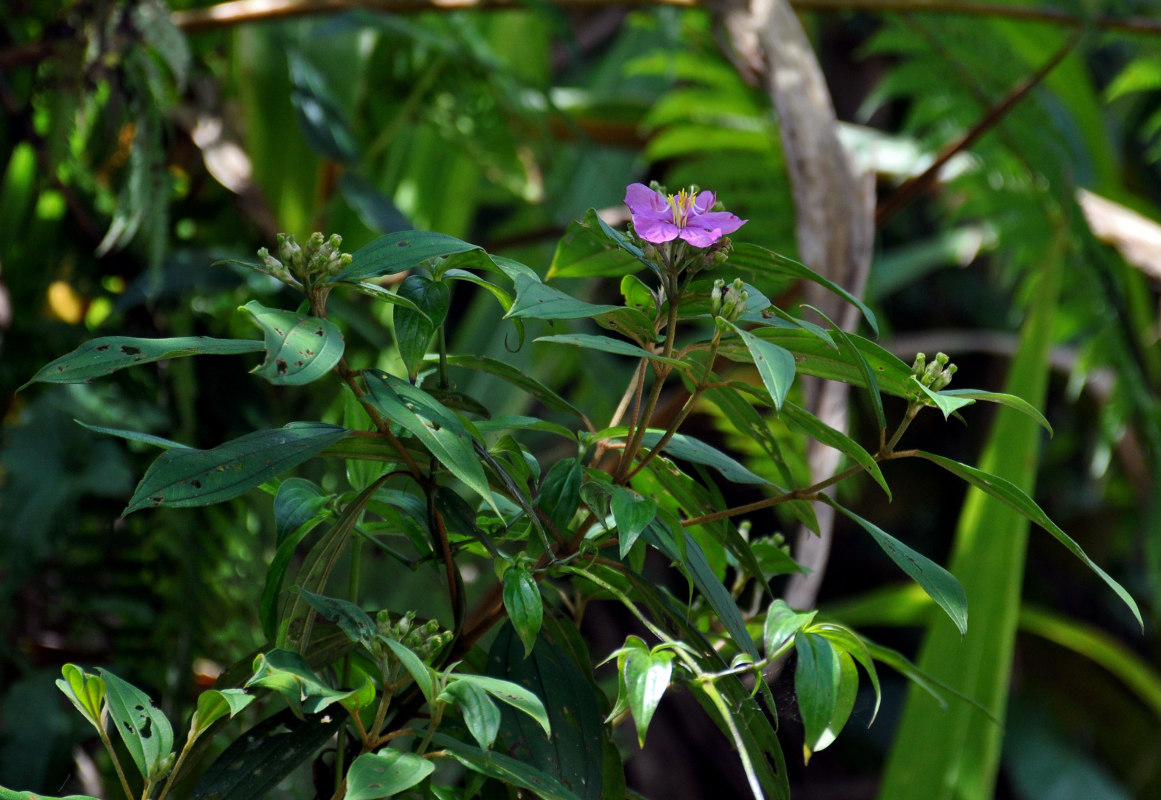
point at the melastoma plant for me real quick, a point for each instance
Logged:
(437, 701)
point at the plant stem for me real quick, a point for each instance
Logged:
(113, 756)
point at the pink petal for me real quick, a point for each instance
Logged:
(723, 220)
(703, 203)
(700, 237)
(656, 230)
(644, 201)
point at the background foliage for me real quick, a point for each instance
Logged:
(141, 143)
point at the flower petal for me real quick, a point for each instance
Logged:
(703, 203)
(700, 237)
(656, 230)
(643, 201)
(727, 222)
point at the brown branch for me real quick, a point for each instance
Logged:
(913, 187)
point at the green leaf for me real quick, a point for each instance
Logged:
(99, 357)
(813, 356)
(85, 691)
(632, 514)
(421, 673)
(440, 430)
(696, 451)
(299, 349)
(517, 378)
(414, 329)
(817, 676)
(353, 621)
(1001, 398)
(396, 252)
(751, 256)
(480, 712)
(514, 695)
(536, 300)
(802, 419)
(289, 674)
(264, 755)
(586, 251)
(607, 344)
(781, 625)
(189, 477)
(847, 641)
(775, 364)
(1011, 495)
(296, 502)
(9, 794)
(946, 403)
(559, 495)
(940, 584)
(145, 731)
(646, 677)
(134, 436)
(524, 604)
(504, 768)
(384, 774)
(213, 704)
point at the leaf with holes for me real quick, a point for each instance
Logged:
(384, 774)
(299, 348)
(145, 731)
(104, 356)
(189, 477)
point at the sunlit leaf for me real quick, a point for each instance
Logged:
(146, 731)
(480, 712)
(385, 774)
(400, 251)
(299, 348)
(775, 364)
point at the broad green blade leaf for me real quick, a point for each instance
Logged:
(781, 625)
(296, 502)
(384, 774)
(213, 704)
(536, 300)
(262, 757)
(354, 621)
(559, 496)
(524, 605)
(848, 689)
(1009, 400)
(946, 403)
(85, 691)
(9, 794)
(413, 330)
(514, 695)
(813, 356)
(504, 768)
(751, 256)
(847, 641)
(420, 672)
(440, 430)
(646, 676)
(850, 350)
(632, 514)
(480, 712)
(517, 378)
(817, 676)
(940, 584)
(106, 355)
(400, 251)
(189, 477)
(800, 418)
(559, 671)
(607, 344)
(696, 451)
(299, 349)
(145, 731)
(287, 543)
(775, 364)
(1011, 495)
(289, 674)
(586, 251)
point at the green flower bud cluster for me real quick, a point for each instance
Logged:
(716, 254)
(299, 265)
(937, 374)
(728, 302)
(425, 640)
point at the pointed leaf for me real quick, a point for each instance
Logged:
(299, 348)
(586, 251)
(145, 731)
(782, 623)
(385, 774)
(817, 676)
(817, 429)
(296, 502)
(289, 674)
(940, 584)
(607, 344)
(524, 605)
(400, 251)
(632, 514)
(189, 477)
(504, 768)
(420, 672)
(514, 695)
(106, 355)
(559, 495)
(537, 300)
(85, 691)
(480, 712)
(775, 364)
(646, 677)
(413, 329)
(696, 451)
(213, 704)
(517, 378)
(440, 430)
(1004, 399)
(945, 402)
(354, 621)
(1010, 494)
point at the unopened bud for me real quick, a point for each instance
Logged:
(734, 301)
(944, 378)
(717, 294)
(919, 365)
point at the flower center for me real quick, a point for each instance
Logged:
(681, 204)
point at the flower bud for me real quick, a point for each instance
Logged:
(919, 365)
(944, 378)
(717, 294)
(733, 303)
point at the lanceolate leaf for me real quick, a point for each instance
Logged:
(1010, 494)
(632, 514)
(354, 621)
(413, 330)
(514, 695)
(831, 437)
(646, 676)
(145, 731)
(213, 704)
(524, 605)
(817, 676)
(385, 774)
(782, 623)
(536, 300)
(289, 674)
(480, 712)
(189, 477)
(299, 348)
(400, 251)
(775, 364)
(940, 584)
(517, 378)
(584, 253)
(696, 451)
(436, 427)
(106, 355)
(607, 344)
(1009, 400)
(504, 768)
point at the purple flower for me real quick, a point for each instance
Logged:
(658, 218)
